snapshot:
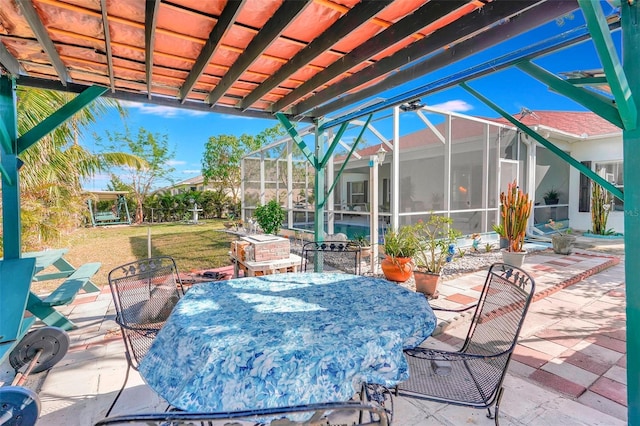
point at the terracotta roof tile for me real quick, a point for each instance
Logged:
(575, 122)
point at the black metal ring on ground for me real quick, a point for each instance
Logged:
(53, 341)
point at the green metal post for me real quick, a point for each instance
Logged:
(319, 187)
(617, 78)
(631, 149)
(351, 151)
(11, 227)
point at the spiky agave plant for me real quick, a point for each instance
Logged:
(515, 210)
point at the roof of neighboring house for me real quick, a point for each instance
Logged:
(191, 181)
(578, 123)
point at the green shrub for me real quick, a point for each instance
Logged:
(270, 217)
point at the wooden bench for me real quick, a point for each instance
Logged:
(68, 290)
(15, 281)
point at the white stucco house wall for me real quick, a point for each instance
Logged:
(588, 138)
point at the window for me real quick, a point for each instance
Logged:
(613, 172)
(357, 192)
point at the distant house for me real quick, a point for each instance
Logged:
(192, 184)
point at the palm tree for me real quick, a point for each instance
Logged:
(54, 167)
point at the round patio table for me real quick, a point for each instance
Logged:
(283, 340)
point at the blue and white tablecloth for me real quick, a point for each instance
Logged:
(285, 339)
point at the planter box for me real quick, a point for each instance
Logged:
(264, 248)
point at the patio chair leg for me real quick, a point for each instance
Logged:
(497, 407)
(126, 378)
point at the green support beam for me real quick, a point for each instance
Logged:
(596, 103)
(560, 153)
(5, 138)
(59, 117)
(351, 151)
(9, 163)
(587, 81)
(630, 14)
(296, 138)
(616, 76)
(319, 188)
(334, 144)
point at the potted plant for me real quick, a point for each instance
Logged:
(399, 247)
(515, 208)
(364, 243)
(270, 217)
(551, 197)
(562, 240)
(434, 238)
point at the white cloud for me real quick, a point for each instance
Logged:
(191, 171)
(454, 106)
(162, 111)
(176, 163)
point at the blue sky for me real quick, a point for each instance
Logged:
(188, 131)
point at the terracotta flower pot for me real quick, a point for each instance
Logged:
(427, 283)
(397, 269)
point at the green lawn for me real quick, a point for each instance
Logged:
(194, 247)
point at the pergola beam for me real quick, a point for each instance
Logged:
(552, 44)
(8, 61)
(30, 14)
(356, 142)
(225, 21)
(291, 130)
(156, 100)
(487, 15)
(606, 50)
(59, 117)
(599, 105)
(107, 44)
(544, 142)
(150, 18)
(336, 141)
(529, 19)
(381, 41)
(587, 81)
(360, 14)
(287, 12)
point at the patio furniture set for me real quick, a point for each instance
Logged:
(302, 346)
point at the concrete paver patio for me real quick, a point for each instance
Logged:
(569, 367)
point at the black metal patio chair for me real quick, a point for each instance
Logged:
(341, 255)
(473, 375)
(325, 413)
(144, 294)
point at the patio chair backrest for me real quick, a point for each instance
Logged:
(144, 293)
(342, 255)
(370, 414)
(500, 312)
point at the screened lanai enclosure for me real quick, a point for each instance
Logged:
(435, 162)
